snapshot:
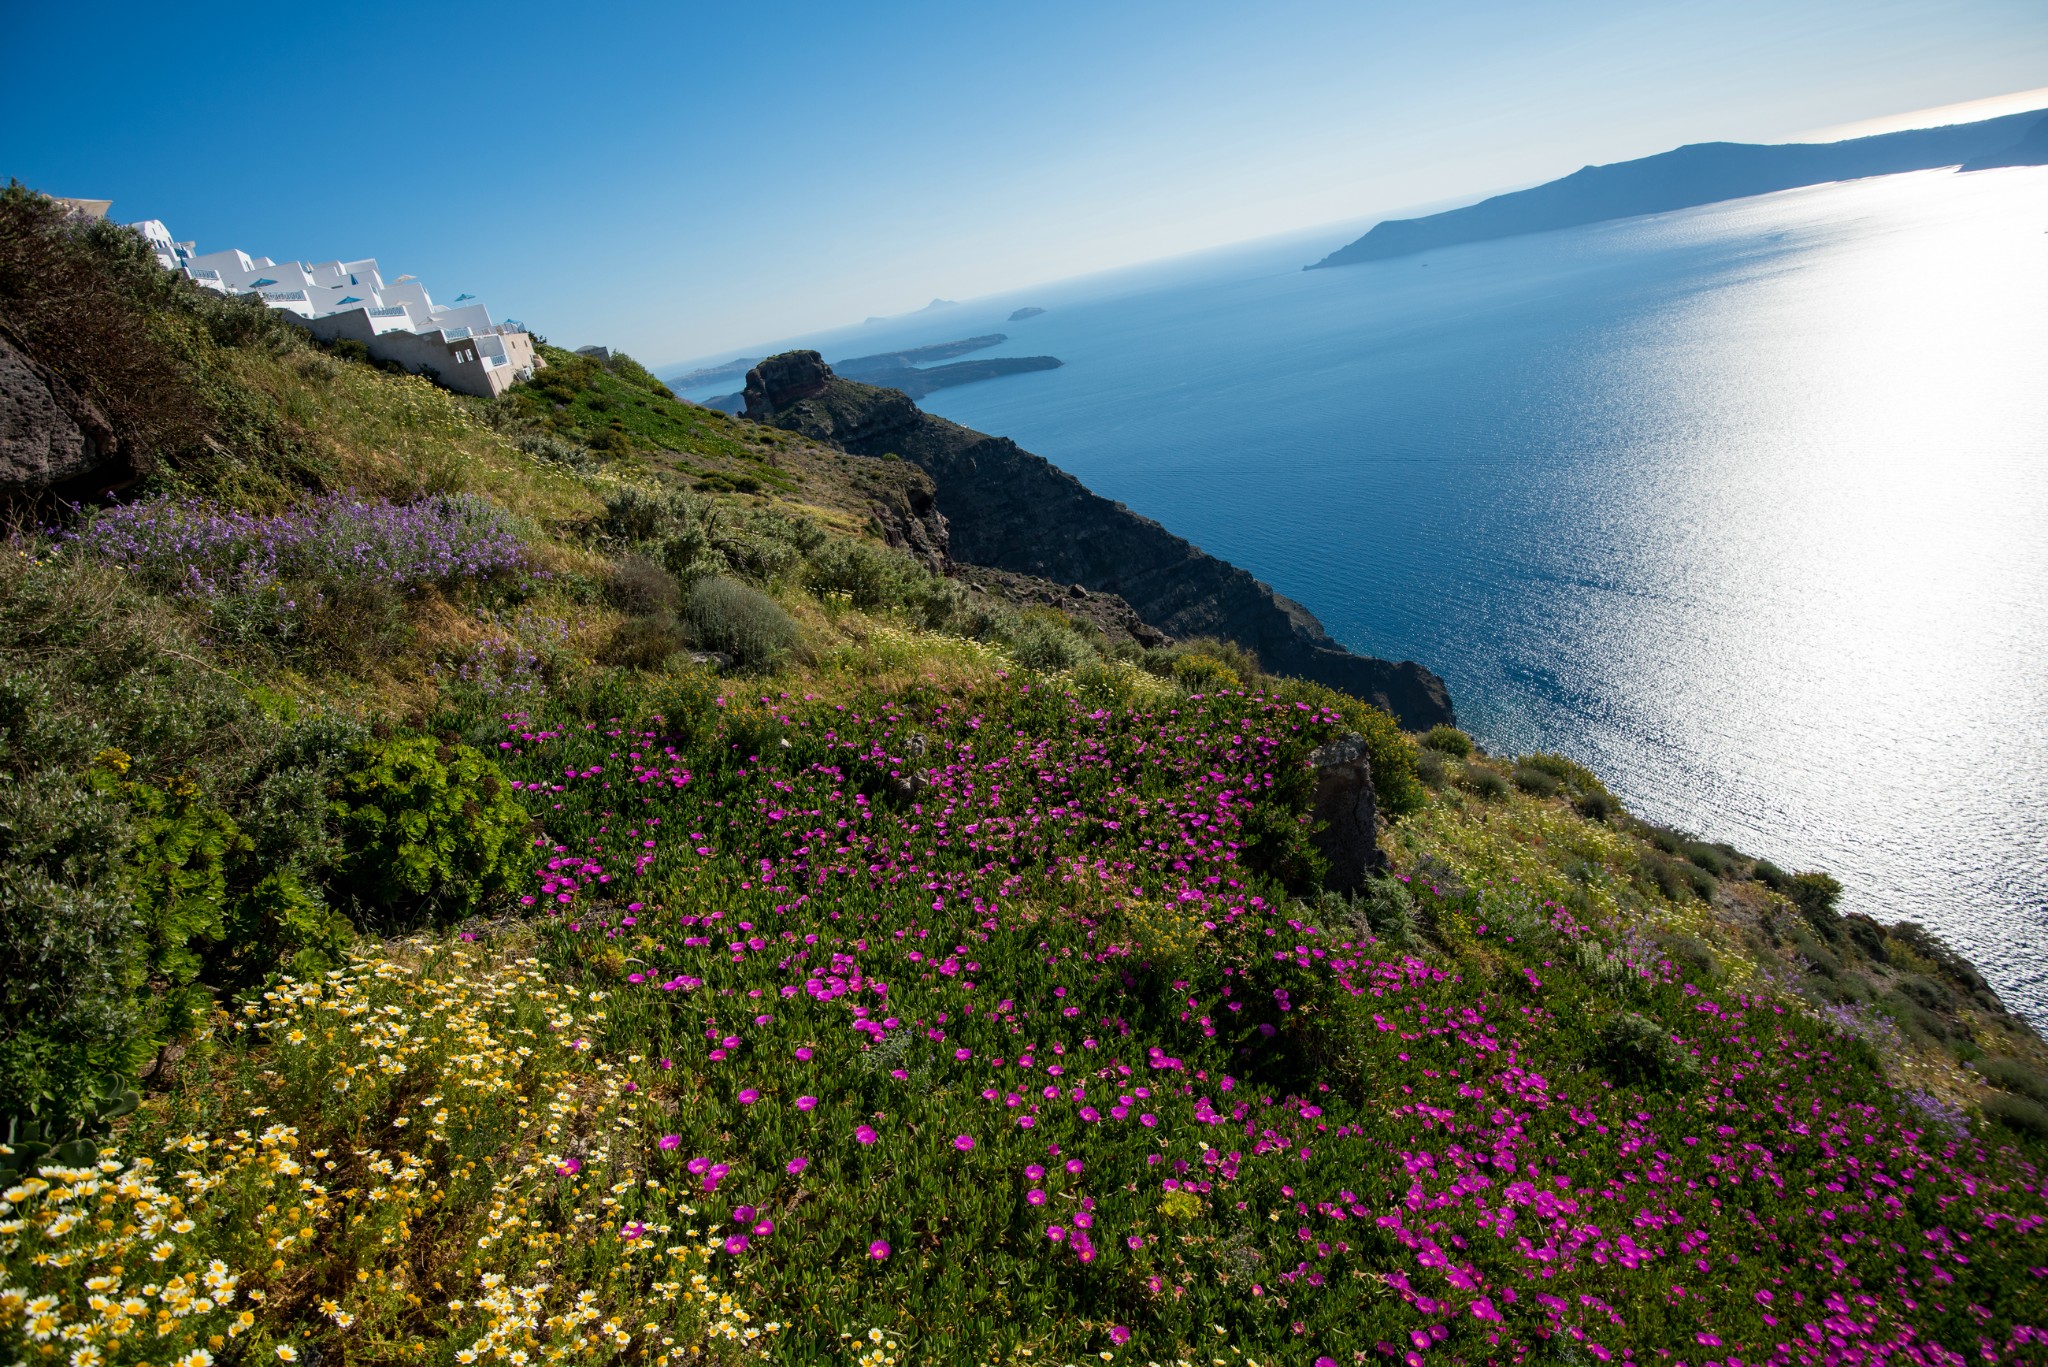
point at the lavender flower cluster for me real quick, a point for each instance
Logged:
(190, 547)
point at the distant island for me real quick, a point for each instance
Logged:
(909, 369)
(933, 306)
(712, 374)
(1021, 314)
(1703, 173)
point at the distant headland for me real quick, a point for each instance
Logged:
(1703, 173)
(909, 370)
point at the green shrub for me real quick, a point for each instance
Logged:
(1816, 895)
(1566, 771)
(1200, 673)
(1483, 782)
(1663, 837)
(1927, 993)
(1448, 740)
(2010, 1075)
(1597, 806)
(641, 587)
(1047, 647)
(430, 829)
(72, 964)
(869, 576)
(1383, 908)
(1536, 780)
(1691, 953)
(873, 577)
(743, 622)
(1771, 876)
(71, 1140)
(1634, 1049)
(1916, 1019)
(1429, 767)
(644, 643)
(2019, 1115)
(633, 514)
(1814, 951)
(178, 868)
(1675, 878)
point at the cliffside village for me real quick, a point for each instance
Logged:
(455, 345)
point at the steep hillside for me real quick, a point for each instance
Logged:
(481, 884)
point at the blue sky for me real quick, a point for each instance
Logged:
(683, 179)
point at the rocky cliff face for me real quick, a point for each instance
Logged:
(909, 519)
(1012, 510)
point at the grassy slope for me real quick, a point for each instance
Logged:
(1541, 1101)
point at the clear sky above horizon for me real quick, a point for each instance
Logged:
(682, 180)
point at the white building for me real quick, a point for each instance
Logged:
(456, 345)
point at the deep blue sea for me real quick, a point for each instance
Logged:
(1746, 507)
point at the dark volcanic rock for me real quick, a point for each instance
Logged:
(909, 519)
(51, 437)
(1015, 511)
(1346, 813)
(783, 380)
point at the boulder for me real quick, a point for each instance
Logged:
(1346, 813)
(51, 436)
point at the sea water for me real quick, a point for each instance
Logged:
(1745, 507)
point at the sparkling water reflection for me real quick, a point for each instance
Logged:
(1742, 506)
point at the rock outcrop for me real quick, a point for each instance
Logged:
(1117, 620)
(909, 519)
(52, 438)
(1346, 810)
(1012, 510)
(783, 381)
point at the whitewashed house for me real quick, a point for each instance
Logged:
(456, 345)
